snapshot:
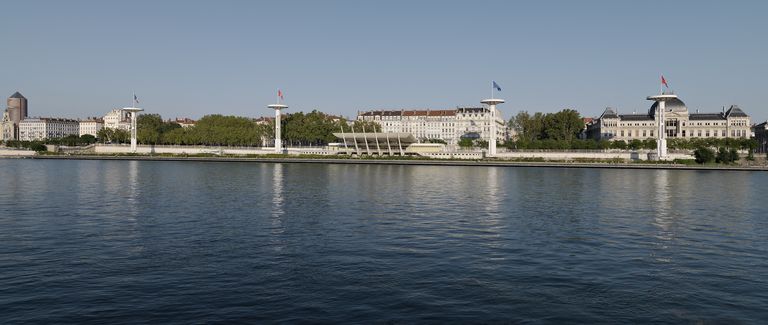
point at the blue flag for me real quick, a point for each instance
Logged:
(495, 85)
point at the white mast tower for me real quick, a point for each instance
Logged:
(661, 107)
(133, 110)
(492, 102)
(277, 107)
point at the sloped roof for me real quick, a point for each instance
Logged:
(705, 116)
(609, 113)
(636, 117)
(735, 111)
(17, 95)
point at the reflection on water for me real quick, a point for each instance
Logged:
(126, 241)
(663, 213)
(133, 186)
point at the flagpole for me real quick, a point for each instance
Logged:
(491, 89)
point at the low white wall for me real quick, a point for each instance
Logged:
(16, 153)
(639, 155)
(547, 155)
(180, 150)
(192, 150)
(470, 155)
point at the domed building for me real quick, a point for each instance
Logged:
(678, 123)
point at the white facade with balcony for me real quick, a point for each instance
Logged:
(446, 125)
(33, 129)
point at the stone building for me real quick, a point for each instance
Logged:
(91, 126)
(7, 128)
(761, 135)
(117, 119)
(32, 129)
(678, 123)
(447, 125)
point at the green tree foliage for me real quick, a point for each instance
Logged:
(722, 157)
(314, 128)
(733, 155)
(564, 125)
(31, 145)
(219, 130)
(619, 144)
(113, 136)
(359, 126)
(39, 147)
(635, 144)
(87, 139)
(465, 143)
(150, 128)
(704, 155)
(694, 143)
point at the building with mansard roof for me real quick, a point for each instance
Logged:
(678, 123)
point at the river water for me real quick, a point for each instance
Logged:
(202, 242)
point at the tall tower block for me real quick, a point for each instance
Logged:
(492, 102)
(17, 111)
(661, 138)
(278, 139)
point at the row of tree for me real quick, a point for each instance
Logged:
(724, 155)
(314, 128)
(579, 144)
(564, 125)
(695, 143)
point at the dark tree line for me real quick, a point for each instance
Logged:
(299, 129)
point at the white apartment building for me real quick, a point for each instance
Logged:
(117, 119)
(91, 126)
(446, 125)
(32, 129)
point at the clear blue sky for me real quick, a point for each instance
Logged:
(192, 58)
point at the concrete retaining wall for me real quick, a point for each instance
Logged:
(16, 153)
(639, 155)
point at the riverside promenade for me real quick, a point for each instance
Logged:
(410, 162)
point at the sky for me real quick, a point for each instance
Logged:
(192, 58)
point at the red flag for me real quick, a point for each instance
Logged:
(664, 82)
(280, 94)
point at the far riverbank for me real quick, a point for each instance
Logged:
(415, 162)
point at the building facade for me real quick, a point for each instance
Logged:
(678, 123)
(185, 122)
(33, 129)
(117, 119)
(761, 136)
(91, 126)
(7, 128)
(447, 125)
